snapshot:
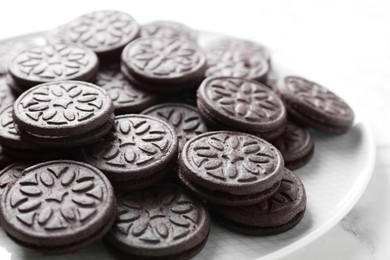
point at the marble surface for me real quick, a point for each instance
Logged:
(341, 44)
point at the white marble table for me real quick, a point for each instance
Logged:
(342, 44)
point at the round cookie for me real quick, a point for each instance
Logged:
(167, 29)
(106, 32)
(58, 207)
(237, 58)
(53, 62)
(184, 118)
(126, 98)
(12, 46)
(160, 222)
(11, 173)
(138, 152)
(281, 212)
(313, 105)
(9, 133)
(231, 163)
(296, 145)
(241, 104)
(164, 60)
(62, 108)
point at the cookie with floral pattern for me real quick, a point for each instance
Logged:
(279, 213)
(52, 62)
(62, 108)
(160, 222)
(138, 152)
(164, 61)
(315, 106)
(167, 29)
(231, 168)
(229, 103)
(58, 207)
(106, 32)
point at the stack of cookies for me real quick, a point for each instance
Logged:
(161, 128)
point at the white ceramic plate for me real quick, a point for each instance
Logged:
(334, 179)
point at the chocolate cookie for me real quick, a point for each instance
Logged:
(296, 145)
(126, 98)
(164, 60)
(9, 134)
(138, 152)
(53, 62)
(58, 207)
(167, 29)
(105, 32)
(237, 58)
(313, 105)
(62, 108)
(241, 104)
(12, 46)
(281, 212)
(239, 165)
(69, 141)
(184, 118)
(158, 223)
(11, 173)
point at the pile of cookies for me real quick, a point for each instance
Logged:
(138, 134)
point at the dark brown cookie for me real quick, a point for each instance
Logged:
(158, 223)
(281, 212)
(58, 207)
(105, 32)
(12, 46)
(164, 60)
(62, 108)
(126, 98)
(52, 62)
(237, 58)
(313, 105)
(139, 151)
(76, 140)
(184, 118)
(11, 173)
(241, 104)
(296, 145)
(9, 134)
(232, 163)
(167, 29)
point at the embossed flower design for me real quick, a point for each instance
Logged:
(62, 104)
(157, 216)
(164, 56)
(118, 87)
(244, 99)
(133, 142)
(102, 29)
(317, 96)
(57, 198)
(166, 29)
(186, 122)
(52, 62)
(232, 158)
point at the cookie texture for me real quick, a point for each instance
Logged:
(313, 105)
(277, 214)
(57, 204)
(160, 221)
(52, 62)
